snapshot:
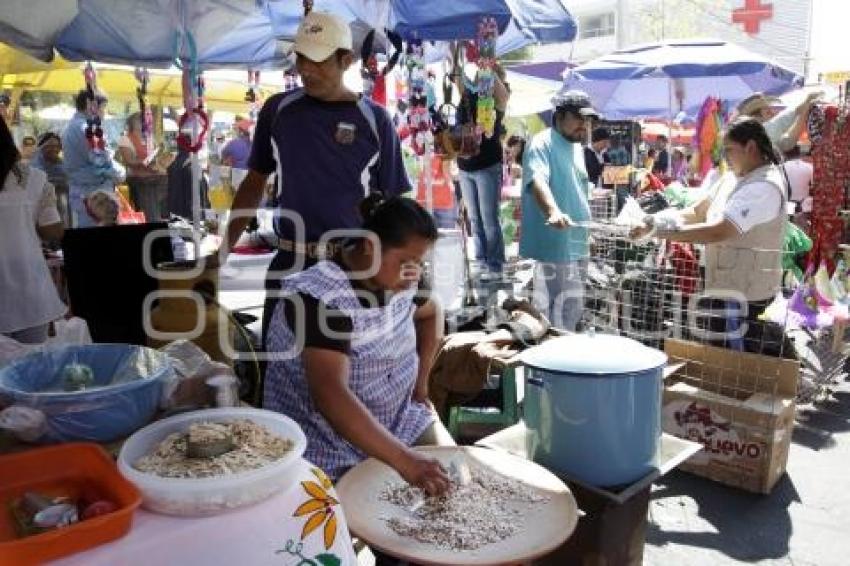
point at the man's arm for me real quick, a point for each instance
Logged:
(244, 207)
(260, 165)
(555, 217)
(500, 93)
(788, 139)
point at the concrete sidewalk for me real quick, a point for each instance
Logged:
(805, 521)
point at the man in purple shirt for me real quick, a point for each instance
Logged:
(237, 152)
(328, 148)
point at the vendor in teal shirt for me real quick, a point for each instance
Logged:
(554, 200)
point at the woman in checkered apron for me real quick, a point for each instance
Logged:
(353, 343)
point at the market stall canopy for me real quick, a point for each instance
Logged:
(15, 61)
(545, 70)
(250, 32)
(529, 95)
(223, 89)
(676, 133)
(661, 80)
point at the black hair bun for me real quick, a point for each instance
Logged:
(369, 205)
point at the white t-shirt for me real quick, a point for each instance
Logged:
(753, 204)
(28, 296)
(800, 177)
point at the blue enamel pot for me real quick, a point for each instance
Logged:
(593, 407)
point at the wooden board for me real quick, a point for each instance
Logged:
(542, 528)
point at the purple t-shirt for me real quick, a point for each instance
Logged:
(325, 157)
(238, 150)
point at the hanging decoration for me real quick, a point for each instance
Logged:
(418, 116)
(707, 141)
(374, 80)
(485, 112)
(94, 128)
(145, 113)
(830, 181)
(252, 96)
(194, 117)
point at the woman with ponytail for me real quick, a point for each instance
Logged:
(352, 341)
(741, 221)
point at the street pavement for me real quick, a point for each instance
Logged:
(805, 521)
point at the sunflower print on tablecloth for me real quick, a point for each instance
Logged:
(320, 508)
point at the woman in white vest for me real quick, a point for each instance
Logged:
(741, 221)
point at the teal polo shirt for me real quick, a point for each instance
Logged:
(561, 163)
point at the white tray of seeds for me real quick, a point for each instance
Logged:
(242, 456)
(512, 510)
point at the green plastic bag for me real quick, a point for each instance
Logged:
(796, 244)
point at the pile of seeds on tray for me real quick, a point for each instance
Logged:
(486, 510)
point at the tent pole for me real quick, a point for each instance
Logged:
(671, 84)
(196, 195)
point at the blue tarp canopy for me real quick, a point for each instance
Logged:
(254, 33)
(662, 80)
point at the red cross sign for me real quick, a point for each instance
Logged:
(752, 14)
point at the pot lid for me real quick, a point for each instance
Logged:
(591, 353)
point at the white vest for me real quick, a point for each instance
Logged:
(751, 263)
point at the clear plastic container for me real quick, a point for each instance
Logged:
(196, 497)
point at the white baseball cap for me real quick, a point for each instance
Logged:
(320, 35)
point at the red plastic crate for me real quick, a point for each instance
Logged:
(65, 469)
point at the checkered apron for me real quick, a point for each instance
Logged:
(383, 362)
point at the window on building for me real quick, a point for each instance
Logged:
(601, 25)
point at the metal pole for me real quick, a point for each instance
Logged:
(196, 195)
(622, 32)
(670, 117)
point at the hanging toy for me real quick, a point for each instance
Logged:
(485, 78)
(418, 115)
(252, 96)
(374, 80)
(143, 77)
(94, 128)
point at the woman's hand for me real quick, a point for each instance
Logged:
(423, 472)
(639, 232)
(420, 391)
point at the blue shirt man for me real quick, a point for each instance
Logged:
(554, 202)
(87, 169)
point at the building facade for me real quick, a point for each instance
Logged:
(777, 29)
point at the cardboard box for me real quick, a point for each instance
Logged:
(739, 406)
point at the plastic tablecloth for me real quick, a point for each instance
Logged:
(303, 526)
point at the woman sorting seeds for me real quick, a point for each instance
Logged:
(353, 341)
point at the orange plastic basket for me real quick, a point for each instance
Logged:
(66, 469)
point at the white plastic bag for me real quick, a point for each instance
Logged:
(68, 332)
(71, 331)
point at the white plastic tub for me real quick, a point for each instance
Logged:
(195, 497)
